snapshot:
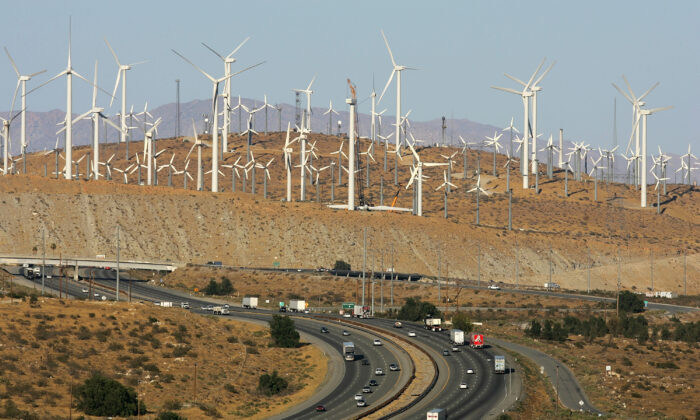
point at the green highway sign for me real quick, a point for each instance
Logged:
(281, 304)
(348, 305)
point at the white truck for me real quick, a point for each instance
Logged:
(349, 351)
(220, 310)
(433, 324)
(166, 304)
(250, 302)
(457, 337)
(437, 414)
(499, 364)
(297, 305)
(551, 286)
(360, 311)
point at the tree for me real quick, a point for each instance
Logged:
(461, 321)
(415, 310)
(103, 396)
(169, 415)
(271, 384)
(226, 288)
(535, 329)
(341, 265)
(283, 332)
(630, 302)
(212, 288)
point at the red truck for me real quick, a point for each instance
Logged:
(477, 341)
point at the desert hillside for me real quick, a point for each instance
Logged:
(169, 223)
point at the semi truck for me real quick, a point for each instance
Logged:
(297, 305)
(360, 311)
(477, 341)
(437, 414)
(250, 302)
(433, 324)
(349, 351)
(499, 363)
(220, 310)
(457, 337)
(166, 304)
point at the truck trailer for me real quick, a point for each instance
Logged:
(349, 351)
(250, 302)
(477, 341)
(360, 311)
(437, 414)
(457, 337)
(499, 363)
(297, 305)
(433, 324)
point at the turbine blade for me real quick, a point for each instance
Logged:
(238, 47)
(212, 50)
(195, 66)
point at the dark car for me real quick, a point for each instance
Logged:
(324, 330)
(283, 309)
(365, 362)
(372, 382)
(320, 408)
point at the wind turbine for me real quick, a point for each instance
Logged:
(465, 148)
(550, 148)
(228, 60)
(688, 155)
(198, 144)
(477, 188)
(340, 154)
(525, 94)
(330, 113)
(446, 184)
(397, 69)
(7, 141)
(68, 72)
(493, 141)
(121, 74)
(150, 156)
(21, 81)
(643, 114)
(417, 176)
(308, 93)
(215, 112)
(511, 128)
(265, 106)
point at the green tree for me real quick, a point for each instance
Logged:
(461, 321)
(341, 265)
(271, 384)
(226, 288)
(103, 396)
(212, 288)
(415, 310)
(535, 329)
(630, 302)
(283, 332)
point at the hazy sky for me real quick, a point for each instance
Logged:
(461, 49)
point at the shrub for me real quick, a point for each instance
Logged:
(415, 310)
(102, 396)
(172, 405)
(271, 384)
(232, 339)
(630, 302)
(231, 388)
(461, 321)
(341, 265)
(283, 332)
(169, 415)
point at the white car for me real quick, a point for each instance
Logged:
(470, 371)
(379, 371)
(347, 316)
(463, 385)
(411, 333)
(85, 290)
(358, 397)
(97, 295)
(361, 403)
(494, 287)
(377, 342)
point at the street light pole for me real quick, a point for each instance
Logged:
(117, 294)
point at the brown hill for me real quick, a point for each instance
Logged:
(169, 223)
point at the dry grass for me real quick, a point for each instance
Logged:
(47, 347)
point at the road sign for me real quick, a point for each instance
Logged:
(348, 305)
(281, 304)
(196, 289)
(276, 264)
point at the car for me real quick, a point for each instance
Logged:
(345, 332)
(358, 397)
(85, 290)
(365, 362)
(283, 309)
(393, 367)
(306, 311)
(494, 287)
(377, 342)
(463, 385)
(361, 403)
(372, 382)
(411, 333)
(96, 295)
(324, 330)
(210, 308)
(347, 316)
(455, 348)
(226, 306)
(366, 390)
(470, 371)
(320, 408)
(379, 371)
(445, 352)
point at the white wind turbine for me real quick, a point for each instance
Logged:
(477, 188)
(340, 154)
(215, 112)
(417, 176)
(525, 94)
(550, 148)
(21, 84)
(534, 88)
(465, 149)
(643, 113)
(446, 184)
(308, 93)
(68, 72)
(493, 142)
(121, 74)
(7, 143)
(288, 162)
(688, 166)
(330, 113)
(198, 144)
(228, 60)
(511, 129)
(265, 106)
(148, 152)
(397, 69)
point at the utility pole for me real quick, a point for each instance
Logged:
(393, 269)
(117, 294)
(364, 264)
(685, 272)
(177, 110)
(619, 269)
(195, 382)
(589, 271)
(479, 263)
(651, 260)
(443, 131)
(439, 267)
(381, 284)
(43, 259)
(517, 266)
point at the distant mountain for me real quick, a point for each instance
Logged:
(42, 127)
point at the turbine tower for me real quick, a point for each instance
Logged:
(397, 69)
(121, 74)
(308, 93)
